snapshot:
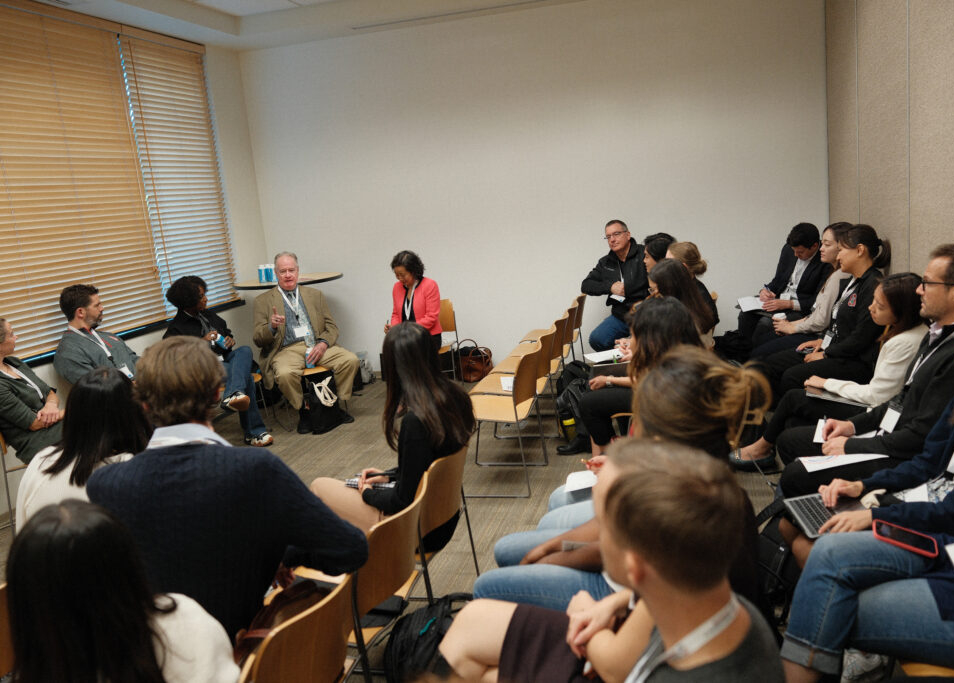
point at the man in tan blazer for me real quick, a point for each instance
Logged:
(293, 327)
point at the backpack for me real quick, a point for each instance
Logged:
(412, 645)
(778, 570)
(568, 408)
(571, 371)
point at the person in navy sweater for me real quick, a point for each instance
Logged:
(212, 521)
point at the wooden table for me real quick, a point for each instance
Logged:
(303, 279)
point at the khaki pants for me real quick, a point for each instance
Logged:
(289, 363)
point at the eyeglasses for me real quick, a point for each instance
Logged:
(613, 235)
(925, 283)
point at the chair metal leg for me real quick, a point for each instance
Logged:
(358, 635)
(470, 533)
(523, 463)
(424, 570)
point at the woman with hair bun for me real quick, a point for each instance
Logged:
(671, 278)
(81, 609)
(850, 345)
(688, 254)
(416, 298)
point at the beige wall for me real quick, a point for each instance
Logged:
(890, 107)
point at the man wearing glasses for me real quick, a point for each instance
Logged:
(621, 277)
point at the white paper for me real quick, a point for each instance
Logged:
(577, 481)
(617, 297)
(750, 303)
(823, 462)
(506, 382)
(612, 355)
(919, 494)
(821, 425)
(950, 551)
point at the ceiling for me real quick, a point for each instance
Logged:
(255, 24)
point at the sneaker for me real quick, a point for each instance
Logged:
(236, 402)
(263, 439)
(861, 666)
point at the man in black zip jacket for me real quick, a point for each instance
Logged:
(621, 277)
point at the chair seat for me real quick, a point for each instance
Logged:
(507, 366)
(533, 335)
(918, 669)
(491, 408)
(314, 370)
(490, 385)
(522, 349)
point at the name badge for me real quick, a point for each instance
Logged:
(890, 419)
(617, 297)
(826, 341)
(125, 370)
(950, 551)
(299, 331)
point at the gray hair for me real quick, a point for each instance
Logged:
(284, 253)
(3, 330)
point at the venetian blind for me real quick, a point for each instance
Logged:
(172, 124)
(72, 203)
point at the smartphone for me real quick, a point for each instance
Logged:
(915, 541)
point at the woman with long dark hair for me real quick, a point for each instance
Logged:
(81, 610)
(671, 278)
(688, 254)
(103, 424)
(436, 420)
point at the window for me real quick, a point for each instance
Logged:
(108, 173)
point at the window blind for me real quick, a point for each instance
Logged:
(71, 194)
(174, 135)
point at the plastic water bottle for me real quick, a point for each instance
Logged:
(262, 273)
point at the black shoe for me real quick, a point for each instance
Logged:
(304, 421)
(346, 417)
(580, 444)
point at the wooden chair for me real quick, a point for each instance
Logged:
(919, 670)
(11, 508)
(567, 345)
(6, 642)
(512, 409)
(444, 498)
(578, 324)
(448, 320)
(308, 647)
(390, 570)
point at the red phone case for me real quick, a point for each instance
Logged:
(902, 544)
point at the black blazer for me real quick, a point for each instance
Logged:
(186, 325)
(812, 279)
(922, 402)
(856, 334)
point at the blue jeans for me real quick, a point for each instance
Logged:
(561, 497)
(861, 592)
(510, 549)
(604, 336)
(544, 585)
(238, 377)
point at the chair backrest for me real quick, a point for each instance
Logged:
(3, 449)
(446, 317)
(549, 346)
(442, 500)
(571, 313)
(6, 643)
(392, 543)
(525, 376)
(580, 301)
(310, 646)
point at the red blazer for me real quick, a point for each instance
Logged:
(427, 305)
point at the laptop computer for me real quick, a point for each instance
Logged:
(809, 512)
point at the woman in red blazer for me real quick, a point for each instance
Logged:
(416, 298)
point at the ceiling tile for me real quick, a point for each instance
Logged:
(242, 8)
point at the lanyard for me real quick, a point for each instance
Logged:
(25, 379)
(291, 305)
(93, 337)
(409, 302)
(922, 359)
(844, 295)
(691, 643)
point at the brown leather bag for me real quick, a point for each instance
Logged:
(475, 362)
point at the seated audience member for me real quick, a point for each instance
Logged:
(657, 325)
(897, 307)
(621, 277)
(102, 425)
(82, 346)
(30, 415)
(437, 420)
(900, 424)
(81, 609)
(416, 298)
(294, 329)
(688, 254)
(194, 319)
(861, 592)
(212, 521)
(690, 397)
(670, 278)
(654, 248)
(791, 333)
(799, 275)
(850, 344)
(671, 520)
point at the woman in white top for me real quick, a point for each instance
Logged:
(895, 305)
(81, 610)
(103, 424)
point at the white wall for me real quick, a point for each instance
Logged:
(496, 147)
